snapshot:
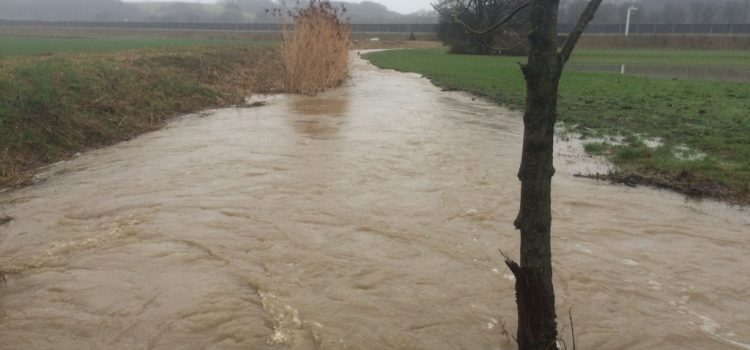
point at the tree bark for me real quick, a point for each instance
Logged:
(535, 297)
(535, 294)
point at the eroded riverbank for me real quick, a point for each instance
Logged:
(55, 105)
(367, 217)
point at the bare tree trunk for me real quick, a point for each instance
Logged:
(537, 327)
(535, 295)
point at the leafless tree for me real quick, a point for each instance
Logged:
(467, 25)
(662, 11)
(232, 11)
(570, 10)
(703, 12)
(733, 12)
(607, 13)
(673, 13)
(535, 296)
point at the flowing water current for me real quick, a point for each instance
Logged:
(368, 217)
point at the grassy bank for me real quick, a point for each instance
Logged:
(703, 127)
(20, 45)
(703, 58)
(54, 106)
(82, 32)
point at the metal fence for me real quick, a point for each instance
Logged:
(247, 27)
(726, 29)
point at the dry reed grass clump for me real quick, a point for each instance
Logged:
(316, 47)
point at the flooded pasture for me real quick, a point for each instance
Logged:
(721, 73)
(368, 217)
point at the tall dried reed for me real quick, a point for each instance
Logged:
(316, 48)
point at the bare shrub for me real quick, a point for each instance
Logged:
(316, 47)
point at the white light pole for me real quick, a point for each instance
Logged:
(631, 9)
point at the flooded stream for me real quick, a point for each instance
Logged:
(368, 217)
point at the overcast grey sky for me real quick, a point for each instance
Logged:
(402, 6)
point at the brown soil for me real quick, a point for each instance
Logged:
(684, 183)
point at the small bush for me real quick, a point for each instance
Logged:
(316, 48)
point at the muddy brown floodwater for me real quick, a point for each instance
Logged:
(368, 217)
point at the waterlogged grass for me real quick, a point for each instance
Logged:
(18, 46)
(703, 126)
(52, 107)
(724, 58)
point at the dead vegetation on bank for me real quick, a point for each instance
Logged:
(52, 107)
(685, 183)
(315, 49)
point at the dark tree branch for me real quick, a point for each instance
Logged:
(572, 330)
(494, 26)
(438, 10)
(495, 48)
(445, 13)
(489, 45)
(583, 21)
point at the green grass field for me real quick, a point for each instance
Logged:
(20, 46)
(690, 118)
(726, 58)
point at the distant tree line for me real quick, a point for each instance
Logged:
(662, 11)
(68, 10)
(234, 11)
(463, 24)
(243, 11)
